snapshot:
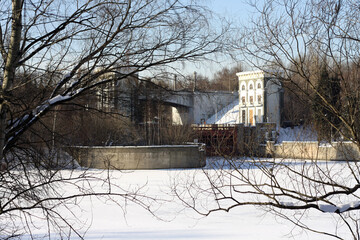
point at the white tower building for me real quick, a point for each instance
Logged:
(260, 98)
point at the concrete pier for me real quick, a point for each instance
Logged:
(140, 157)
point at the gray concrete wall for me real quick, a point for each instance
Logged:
(199, 105)
(140, 157)
(314, 150)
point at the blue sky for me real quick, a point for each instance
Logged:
(233, 9)
(238, 12)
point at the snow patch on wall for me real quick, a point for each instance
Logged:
(227, 115)
(298, 133)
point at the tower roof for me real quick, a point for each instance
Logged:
(256, 74)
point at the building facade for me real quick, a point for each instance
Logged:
(260, 98)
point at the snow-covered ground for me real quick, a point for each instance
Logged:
(106, 220)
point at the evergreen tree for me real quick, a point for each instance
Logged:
(335, 89)
(327, 98)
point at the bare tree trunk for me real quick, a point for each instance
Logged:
(11, 63)
(2, 128)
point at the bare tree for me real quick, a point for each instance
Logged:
(222, 80)
(63, 49)
(225, 79)
(289, 37)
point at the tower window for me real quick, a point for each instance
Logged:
(243, 100)
(251, 100)
(251, 86)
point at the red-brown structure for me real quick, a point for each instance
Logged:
(235, 139)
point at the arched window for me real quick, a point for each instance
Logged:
(259, 85)
(243, 87)
(251, 86)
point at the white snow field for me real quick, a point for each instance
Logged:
(106, 220)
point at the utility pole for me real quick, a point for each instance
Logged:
(175, 79)
(194, 88)
(229, 83)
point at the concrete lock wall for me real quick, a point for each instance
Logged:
(314, 150)
(141, 157)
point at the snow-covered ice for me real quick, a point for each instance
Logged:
(106, 220)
